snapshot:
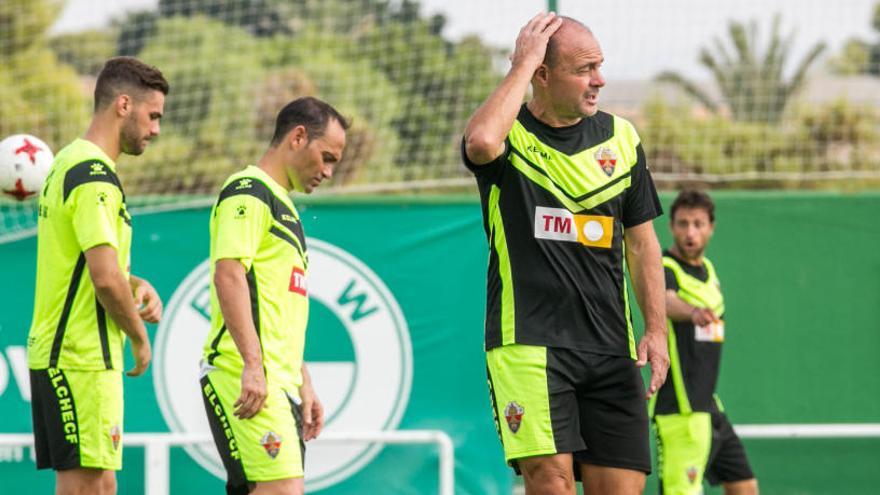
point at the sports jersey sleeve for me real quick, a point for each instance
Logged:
(671, 281)
(241, 223)
(641, 202)
(94, 210)
(486, 170)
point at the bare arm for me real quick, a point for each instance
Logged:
(114, 293)
(646, 271)
(488, 127)
(678, 310)
(235, 304)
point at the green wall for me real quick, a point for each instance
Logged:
(800, 271)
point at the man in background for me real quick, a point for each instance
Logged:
(695, 438)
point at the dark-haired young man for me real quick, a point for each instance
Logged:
(257, 392)
(86, 300)
(694, 435)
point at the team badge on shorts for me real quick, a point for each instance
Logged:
(513, 413)
(272, 443)
(692, 474)
(115, 436)
(607, 160)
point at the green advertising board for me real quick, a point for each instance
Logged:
(395, 341)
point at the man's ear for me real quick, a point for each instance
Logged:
(124, 105)
(298, 138)
(540, 76)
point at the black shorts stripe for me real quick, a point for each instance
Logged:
(90, 171)
(298, 418)
(494, 403)
(101, 317)
(72, 289)
(214, 343)
(56, 426)
(224, 439)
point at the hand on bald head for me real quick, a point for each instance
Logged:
(570, 35)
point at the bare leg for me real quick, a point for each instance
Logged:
(548, 474)
(108, 483)
(601, 480)
(288, 486)
(79, 481)
(745, 487)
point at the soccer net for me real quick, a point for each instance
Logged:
(778, 93)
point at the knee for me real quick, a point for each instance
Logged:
(745, 487)
(548, 480)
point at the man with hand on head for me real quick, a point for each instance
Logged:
(567, 205)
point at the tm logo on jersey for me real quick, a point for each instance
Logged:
(558, 224)
(298, 281)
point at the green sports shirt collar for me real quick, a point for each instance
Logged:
(96, 151)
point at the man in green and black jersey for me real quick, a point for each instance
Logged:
(567, 205)
(694, 435)
(256, 389)
(86, 300)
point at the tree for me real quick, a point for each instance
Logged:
(752, 84)
(859, 56)
(38, 94)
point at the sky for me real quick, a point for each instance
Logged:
(639, 37)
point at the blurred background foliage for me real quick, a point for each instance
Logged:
(409, 91)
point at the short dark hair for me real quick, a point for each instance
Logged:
(126, 74)
(309, 112)
(551, 55)
(693, 198)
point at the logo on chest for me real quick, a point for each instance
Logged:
(298, 281)
(558, 224)
(607, 160)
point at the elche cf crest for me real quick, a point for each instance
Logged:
(272, 443)
(607, 160)
(513, 413)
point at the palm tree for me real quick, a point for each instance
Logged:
(752, 84)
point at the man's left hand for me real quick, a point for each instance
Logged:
(147, 300)
(652, 349)
(313, 412)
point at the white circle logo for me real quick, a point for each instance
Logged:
(368, 392)
(593, 230)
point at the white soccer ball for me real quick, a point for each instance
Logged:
(24, 163)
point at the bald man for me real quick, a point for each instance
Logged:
(567, 200)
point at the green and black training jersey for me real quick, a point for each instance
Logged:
(555, 207)
(255, 222)
(81, 206)
(694, 351)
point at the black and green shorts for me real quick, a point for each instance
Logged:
(697, 446)
(266, 447)
(77, 417)
(551, 401)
